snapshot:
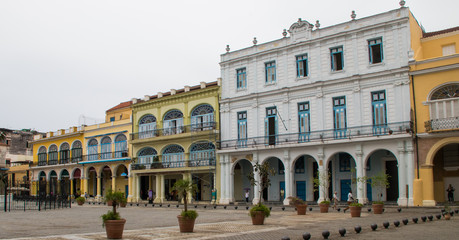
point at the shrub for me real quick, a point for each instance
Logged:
(260, 208)
(378, 202)
(80, 199)
(325, 202)
(110, 215)
(296, 201)
(190, 214)
(356, 204)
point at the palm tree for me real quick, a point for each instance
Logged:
(183, 187)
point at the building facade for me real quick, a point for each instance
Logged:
(331, 102)
(84, 160)
(435, 97)
(175, 137)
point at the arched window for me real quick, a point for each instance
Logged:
(173, 122)
(147, 126)
(120, 146)
(106, 148)
(64, 153)
(202, 154)
(42, 156)
(77, 151)
(444, 107)
(52, 155)
(147, 155)
(92, 149)
(202, 118)
(173, 156)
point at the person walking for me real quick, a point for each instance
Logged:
(350, 199)
(335, 199)
(150, 196)
(450, 191)
(247, 194)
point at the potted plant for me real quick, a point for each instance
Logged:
(299, 204)
(322, 181)
(113, 223)
(324, 205)
(186, 219)
(259, 212)
(379, 182)
(123, 202)
(447, 211)
(356, 209)
(80, 200)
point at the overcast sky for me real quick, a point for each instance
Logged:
(63, 59)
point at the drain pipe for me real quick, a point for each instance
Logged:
(415, 128)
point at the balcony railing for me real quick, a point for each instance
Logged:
(90, 157)
(442, 124)
(175, 164)
(316, 136)
(174, 130)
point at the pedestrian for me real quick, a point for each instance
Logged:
(450, 192)
(247, 194)
(86, 195)
(150, 196)
(335, 199)
(350, 199)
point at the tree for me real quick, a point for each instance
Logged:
(379, 182)
(183, 187)
(264, 171)
(322, 179)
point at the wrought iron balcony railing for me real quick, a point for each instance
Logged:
(193, 128)
(89, 157)
(315, 136)
(442, 124)
(174, 164)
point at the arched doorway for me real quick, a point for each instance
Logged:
(305, 168)
(273, 192)
(52, 183)
(76, 182)
(121, 180)
(42, 184)
(106, 180)
(341, 167)
(64, 183)
(241, 171)
(378, 163)
(446, 171)
(92, 182)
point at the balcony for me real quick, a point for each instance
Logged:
(175, 164)
(445, 124)
(85, 158)
(319, 136)
(194, 128)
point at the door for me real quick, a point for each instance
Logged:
(282, 190)
(345, 188)
(392, 171)
(369, 191)
(126, 190)
(301, 190)
(272, 131)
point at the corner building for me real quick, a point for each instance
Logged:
(175, 137)
(333, 100)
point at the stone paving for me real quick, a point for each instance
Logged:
(84, 223)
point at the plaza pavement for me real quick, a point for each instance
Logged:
(84, 222)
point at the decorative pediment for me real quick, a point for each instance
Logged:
(300, 30)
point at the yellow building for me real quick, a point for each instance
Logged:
(175, 137)
(434, 70)
(85, 159)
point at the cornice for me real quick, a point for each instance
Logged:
(435, 69)
(53, 138)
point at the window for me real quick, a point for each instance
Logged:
(42, 156)
(92, 149)
(241, 78)
(202, 154)
(448, 49)
(242, 129)
(77, 151)
(112, 119)
(120, 146)
(337, 60)
(303, 121)
(299, 165)
(52, 155)
(375, 50)
(147, 127)
(173, 122)
(339, 117)
(344, 162)
(270, 69)
(202, 118)
(106, 148)
(378, 101)
(302, 66)
(444, 107)
(271, 126)
(146, 155)
(173, 156)
(64, 153)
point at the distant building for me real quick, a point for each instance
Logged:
(435, 82)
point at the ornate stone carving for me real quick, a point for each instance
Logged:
(353, 15)
(227, 48)
(317, 24)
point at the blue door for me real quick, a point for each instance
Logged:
(345, 188)
(369, 191)
(126, 189)
(301, 189)
(282, 190)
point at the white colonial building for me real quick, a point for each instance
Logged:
(333, 100)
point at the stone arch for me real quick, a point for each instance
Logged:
(76, 173)
(367, 156)
(42, 149)
(62, 172)
(105, 168)
(64, 146)
(239, 171)
(42, 176)
(434, 91)
(51, 174)
(437, 146)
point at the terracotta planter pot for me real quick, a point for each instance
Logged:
(301, 209)
(378, 208)
(80, 203)
(447, 216)
(114, 228)
(324, 207)
(110, 203)
(355, 211)
(258, 218)
(185, 224)
(123, 204)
